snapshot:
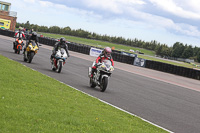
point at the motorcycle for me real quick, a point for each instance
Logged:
(30, 51)
(101, 75)
(17, 45)
(59, 60)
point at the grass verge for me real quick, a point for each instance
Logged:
(33, 102)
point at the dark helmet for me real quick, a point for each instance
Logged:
(34, 34)
(107, 51)
(62, 40)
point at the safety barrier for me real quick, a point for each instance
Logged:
(122, 58)
(118, 56)
(177, 70)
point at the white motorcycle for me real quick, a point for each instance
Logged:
(59, 60)
(101, 75)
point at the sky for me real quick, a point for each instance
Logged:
(166, 21)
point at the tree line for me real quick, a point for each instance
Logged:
(178, 50)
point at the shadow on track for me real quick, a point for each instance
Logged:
(96, 89)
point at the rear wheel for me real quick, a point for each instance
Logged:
(92, 84)
(104, 84)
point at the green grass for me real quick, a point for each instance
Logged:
(33, 102)
(100, 44)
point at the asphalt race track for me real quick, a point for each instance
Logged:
(167, 104)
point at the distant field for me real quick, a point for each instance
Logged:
(33, 102)
(99, 43)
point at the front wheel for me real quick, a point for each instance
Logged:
(60, 66)
(18, 51)
(104, 84)
(30, 57)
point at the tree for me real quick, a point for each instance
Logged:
(196, 50)
(43, 29)
(54, 29)
(158, 49)
(17, 25)
(188, 52)
(198, 57)
(177, 50)
(27, 25)
(35, 27)
(67, 30)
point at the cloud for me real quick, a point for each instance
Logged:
(46, 3)
(29, 1)
(193, 5)
(172, 7)
(188, 30)
(114, 6)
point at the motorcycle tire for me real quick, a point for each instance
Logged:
(30, 57)
(92, 84)
(60, 66)
(104, 84)
(24, 57)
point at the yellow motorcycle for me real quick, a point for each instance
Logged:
(30, 51)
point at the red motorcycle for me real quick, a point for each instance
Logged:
(17, 45)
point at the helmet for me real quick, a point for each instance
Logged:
(62, 40)
(34, 34)
(107, 51)
(20, 28)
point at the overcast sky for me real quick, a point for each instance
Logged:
(166, 21)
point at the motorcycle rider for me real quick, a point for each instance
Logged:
(18, 34)
(33, 37)
(105, 55)
(60, 44)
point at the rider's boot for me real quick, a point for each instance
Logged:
(51, 59)
(92, 73)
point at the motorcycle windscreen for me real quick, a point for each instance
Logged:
(63, 53)
(108, 63)
(33, 44)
